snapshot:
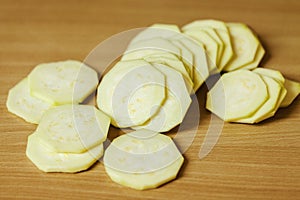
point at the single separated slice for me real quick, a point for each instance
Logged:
(131, 92)
(245, 45)
(174, 108)
(269, 108)
(73, 128)
(22, 104)
(237, 95)
(48, 160)
(142, 160)
(62, 82)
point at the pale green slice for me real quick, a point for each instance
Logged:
(201, 71)
(73, 128)
(187, 57)
(175, 64)
(257, 59)
(275, 74)
(245, 45)
(131, 92)
(222, 30)
(237, 95)
(293, 90)
(62, 82)
(156, 30)
(210, 45)
(142, 160)
(152, 44)
(177, 102)
(49, 161)
(266, 110)
(24, 105)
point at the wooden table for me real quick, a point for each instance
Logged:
(249, 161)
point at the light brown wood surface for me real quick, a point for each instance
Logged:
(249, 161)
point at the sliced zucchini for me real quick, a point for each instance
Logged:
(142, 160)
(293, 90)
(237, 95)
(201, 71)
(270, 73)
(131, 92)
(62, 82)
(268, 108)
(186, 57)
(175, 64)
(48, 160)
(156, 30)
(222, 30)
(245, 45)
(175, 106)
(22, 104)
(258, 57)
(73, 128)
(210, 45)
(150, 45)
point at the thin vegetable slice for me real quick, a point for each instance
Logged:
(210, 45)
(22, 104)
(174, 64)
(174, 107)
(201, 71)
(48, 160)
(237, 95)
(269, 108)
(73, 128)
(222, 31)
(62, 82)
(293, 90)
(156, 30)
(142, 160)
(245, 45)
(275, 74)
(156, 44)
(131, 92)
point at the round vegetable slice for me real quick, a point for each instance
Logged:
(156, 30)
(142, 160)
(131, 92)
(293, 90)
(245, 45)
(258, 57)
(62, 82)
(158, 43)
(270, 73)
(237, 95)
(266, 110)
(174, 107)
(222, 30)
(22, 104)
(210, 45)
(49, 161)
(174, 64)
(201, 71)
(186, 57)
(73, 128)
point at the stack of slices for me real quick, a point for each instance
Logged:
(245, 96)
(68, 138)
(150, 87)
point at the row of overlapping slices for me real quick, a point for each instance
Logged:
(245, 96)
(150, 87)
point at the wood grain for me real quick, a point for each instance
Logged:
(249, 162)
